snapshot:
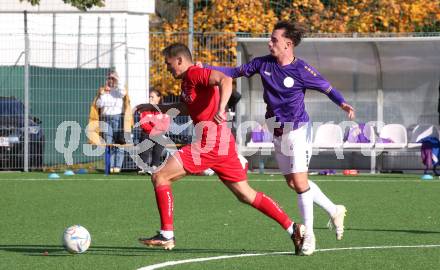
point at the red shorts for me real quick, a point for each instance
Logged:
(219, 154)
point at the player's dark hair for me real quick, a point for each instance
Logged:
(177, 49)
(292, 31)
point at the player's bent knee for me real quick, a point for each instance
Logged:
(302, 189)
(291, 185)
(158, 179)
(154, 179)
(297, 182)
(242, 191)
(244, 198)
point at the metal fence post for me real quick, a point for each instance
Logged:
(190, 25)
(54, 41)
(112, 41)
(26, 95)
(379, 100)
(98, 41)
(126, 56)
(78, 59)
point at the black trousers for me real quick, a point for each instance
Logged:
(151, 156)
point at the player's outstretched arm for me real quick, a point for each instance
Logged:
(338, 99)
(225, 86)
(349, 109)
(233, 72)
(336, 96)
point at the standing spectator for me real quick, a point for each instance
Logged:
(111, 104)
(154, 124)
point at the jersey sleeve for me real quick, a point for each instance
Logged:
(161, 123)
(246, 70)
(312, 79)
(146, 123)
(198, 76)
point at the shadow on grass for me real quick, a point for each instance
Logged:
(57, 250)
(394, 230)
(386, 230)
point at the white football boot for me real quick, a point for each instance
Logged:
(309, 245)
(337, 221)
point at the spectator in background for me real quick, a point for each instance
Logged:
(110, 102)
(153, 124)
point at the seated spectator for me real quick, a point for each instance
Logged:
(153, 124)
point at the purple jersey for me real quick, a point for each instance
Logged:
(285, 86)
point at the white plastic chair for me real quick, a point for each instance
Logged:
(368, 132)
(328, 136)
(260, 144)
(265, 144)
(396, 133)
(422, 131)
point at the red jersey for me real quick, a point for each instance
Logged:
(214, 148)
(154, 122)
(201, 99)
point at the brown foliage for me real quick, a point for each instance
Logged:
(212, 44)
(365, 16)
(215, 27)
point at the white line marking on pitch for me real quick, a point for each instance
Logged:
(171, 263)
(188, 179)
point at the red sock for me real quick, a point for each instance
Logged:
(271, 209)
(165, 204)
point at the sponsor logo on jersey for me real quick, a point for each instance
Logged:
(185, 95)
(288, 82)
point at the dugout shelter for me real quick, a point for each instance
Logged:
(390, 80)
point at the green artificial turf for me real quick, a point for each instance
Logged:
(388, 216)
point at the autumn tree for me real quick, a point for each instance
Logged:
(215, 27)
(365, 16)
(79, 4)
(217, 22)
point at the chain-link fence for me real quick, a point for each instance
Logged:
(52, 66)
(327, 16)
(385, 85)
(48, 81)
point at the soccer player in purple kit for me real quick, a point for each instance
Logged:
(285, 79)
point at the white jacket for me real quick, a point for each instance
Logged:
(111, 103)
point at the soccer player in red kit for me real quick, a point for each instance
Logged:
(204, 97)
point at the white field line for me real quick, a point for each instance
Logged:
(171, 263)
(214, 179)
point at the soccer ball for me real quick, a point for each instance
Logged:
(76, 239)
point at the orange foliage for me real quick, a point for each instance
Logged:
(364, 16)
(214, 39)
(215, 26)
